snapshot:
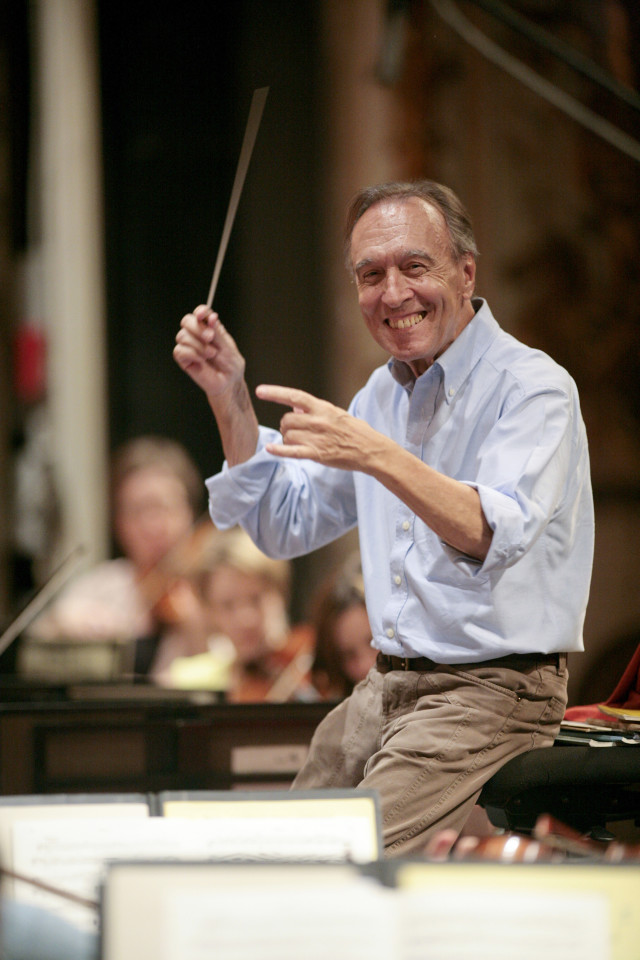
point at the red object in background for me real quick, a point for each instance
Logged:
(626, 695)
(29, 362)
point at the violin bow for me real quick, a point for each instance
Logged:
(49, 888)
(42, 596)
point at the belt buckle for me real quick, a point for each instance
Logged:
(404, 664)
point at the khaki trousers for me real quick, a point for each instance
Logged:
(427, 741)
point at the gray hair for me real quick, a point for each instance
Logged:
(442, 198)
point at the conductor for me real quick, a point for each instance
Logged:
(463, 461)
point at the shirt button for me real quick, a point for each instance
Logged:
(406, 525)
(451, 391)
(390, 632)
(397, 580)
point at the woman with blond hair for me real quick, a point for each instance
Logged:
(252, 651)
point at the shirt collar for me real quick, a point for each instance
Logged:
(460, 358)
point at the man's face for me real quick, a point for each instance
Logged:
(415, 298)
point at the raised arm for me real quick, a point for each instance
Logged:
(210, 356)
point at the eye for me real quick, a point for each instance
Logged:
(369, 276)
(415, 268)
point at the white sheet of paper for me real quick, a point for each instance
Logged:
(70, 855)
(12, 813)
(283, 912)
(241, 910)
(287, 923)
(501, 924)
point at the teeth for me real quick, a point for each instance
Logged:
(404, 322)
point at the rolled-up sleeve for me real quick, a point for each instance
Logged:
(234, 492)
(531, 464)
(287, 506)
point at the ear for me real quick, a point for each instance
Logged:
(468, 265)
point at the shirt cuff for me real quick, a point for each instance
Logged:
(235, 491)
(504, 516)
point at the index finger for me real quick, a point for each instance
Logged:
(289, 396)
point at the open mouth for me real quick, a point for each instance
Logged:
(403, 323)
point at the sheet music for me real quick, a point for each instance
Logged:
(246, 910)
(352, 817)
(499, 924)
(286, 923)
(567, 910)
(287, 911)
(367, 924)
(12, 811)
(70, 855)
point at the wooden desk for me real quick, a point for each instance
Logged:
(128, 739)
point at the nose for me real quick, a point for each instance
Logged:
(396, 289)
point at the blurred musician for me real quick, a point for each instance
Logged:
(252, 651)
(156, 493)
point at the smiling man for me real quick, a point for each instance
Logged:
(464, 464)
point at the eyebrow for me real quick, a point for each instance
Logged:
(405, 255)
(420, 254)
(361, 264)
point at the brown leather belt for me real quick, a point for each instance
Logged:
(385, 663)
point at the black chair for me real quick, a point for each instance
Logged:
(585, 787)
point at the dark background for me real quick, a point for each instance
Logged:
(177, 81)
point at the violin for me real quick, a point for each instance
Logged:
(280, 674)
(168, 588)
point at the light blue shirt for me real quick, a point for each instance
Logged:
(492, 413)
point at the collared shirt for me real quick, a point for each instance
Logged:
(492, 413)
